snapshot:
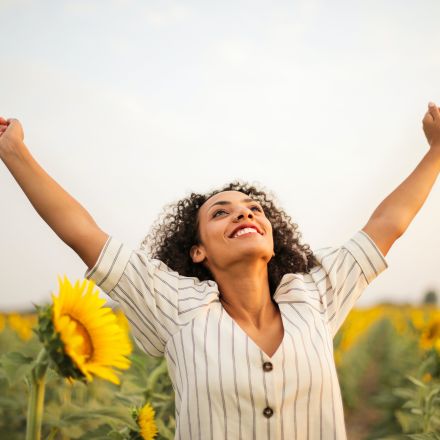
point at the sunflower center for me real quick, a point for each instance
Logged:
(434, 330)
(86, 348)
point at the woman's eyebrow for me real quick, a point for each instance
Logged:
(225, 202)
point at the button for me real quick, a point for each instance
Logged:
(267, 366)
(268, 412)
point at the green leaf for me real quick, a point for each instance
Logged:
(16, 366)
(416, 381)
(428, 436)
(100, 433)
(163, 430)
(128, 400)
(54, 421)
(79, 415)
(407, 421)
(411, 404)
(161, 396)
(10, 403)
(405, 393)
(434, 391)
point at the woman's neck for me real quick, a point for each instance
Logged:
(245, 295)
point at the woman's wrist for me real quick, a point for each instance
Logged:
(13, 151)
(434, 154)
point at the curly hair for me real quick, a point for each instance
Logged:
(176, 230)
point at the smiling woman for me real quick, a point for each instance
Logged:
(243, 312)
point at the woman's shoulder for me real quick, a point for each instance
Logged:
(299, 283)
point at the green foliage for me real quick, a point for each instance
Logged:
(93, 411)
(374, 382)
(16, 366)
(421, 410)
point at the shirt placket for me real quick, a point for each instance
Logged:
(271, 407)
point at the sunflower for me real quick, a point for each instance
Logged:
(146, 422)
(2, 322)
(83, 338)
(430, 337)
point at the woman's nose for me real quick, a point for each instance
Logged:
(244, 212)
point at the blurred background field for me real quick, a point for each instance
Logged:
(387, 358)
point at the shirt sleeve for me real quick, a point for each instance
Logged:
(146, 290)
(344, 273)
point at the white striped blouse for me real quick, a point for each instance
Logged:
(225, 386)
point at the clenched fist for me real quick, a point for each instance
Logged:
(431, 125)
(11, 135)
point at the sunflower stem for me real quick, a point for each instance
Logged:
(36, 396)
(53, 432)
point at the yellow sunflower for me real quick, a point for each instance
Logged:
(146, 422)
(430, 337)
(91, 335)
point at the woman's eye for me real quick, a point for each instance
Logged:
(216, 212)
(257, 208)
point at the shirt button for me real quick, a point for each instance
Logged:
(267, 366)
(268, 412)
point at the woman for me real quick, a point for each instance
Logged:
(244, 314)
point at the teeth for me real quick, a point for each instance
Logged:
(244, 231)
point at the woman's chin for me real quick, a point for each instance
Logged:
(253, 251)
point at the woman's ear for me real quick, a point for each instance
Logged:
(197, 254)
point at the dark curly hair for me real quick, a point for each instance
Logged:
(176, 230)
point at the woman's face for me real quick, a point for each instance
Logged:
(232, 228)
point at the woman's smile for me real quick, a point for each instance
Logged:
(245, 232)
(250, 228)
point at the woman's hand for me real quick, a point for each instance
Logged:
(11, 135)
(392, 217)
(431, 126)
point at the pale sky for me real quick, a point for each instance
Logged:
(130, 105)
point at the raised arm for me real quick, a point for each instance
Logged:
(393, 216)
(67, 218)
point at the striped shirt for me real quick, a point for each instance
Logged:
(225, 386)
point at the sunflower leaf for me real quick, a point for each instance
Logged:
(10, 403)
(434, 391)
(79, 415)
(405, 393)
(161, 396)
(416, 381)
(16, 366)
(163, 430)
(100, 433)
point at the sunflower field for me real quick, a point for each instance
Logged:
(71, 370)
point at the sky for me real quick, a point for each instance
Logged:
(131, 105)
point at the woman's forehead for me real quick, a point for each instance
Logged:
(230, 196)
